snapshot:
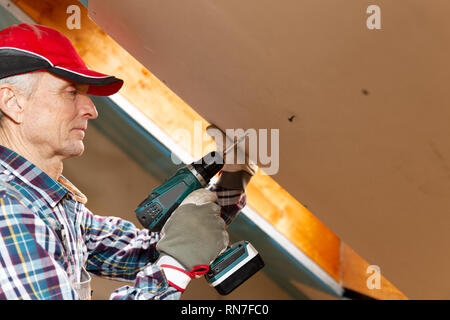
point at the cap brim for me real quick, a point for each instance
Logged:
(99, 84)
(17, 61)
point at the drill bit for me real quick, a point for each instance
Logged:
(235, 143)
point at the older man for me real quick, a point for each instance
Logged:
(49, 240)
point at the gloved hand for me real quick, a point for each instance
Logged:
(234, 175)
(192, 238)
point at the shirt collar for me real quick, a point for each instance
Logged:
(77, 194)
(50, 189)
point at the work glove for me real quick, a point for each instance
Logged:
(192, 238)
(234, 175)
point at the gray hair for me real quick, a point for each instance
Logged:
(26, 84)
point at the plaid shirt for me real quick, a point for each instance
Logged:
(48, 236)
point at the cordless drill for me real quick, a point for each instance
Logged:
(240, 260)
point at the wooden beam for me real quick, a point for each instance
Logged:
(170, 113)
(355, 274)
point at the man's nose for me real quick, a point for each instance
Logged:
(87, 107)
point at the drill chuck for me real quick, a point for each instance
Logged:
(208, 166)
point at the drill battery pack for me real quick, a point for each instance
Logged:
(233, 267)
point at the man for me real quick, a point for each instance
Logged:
(49, 240)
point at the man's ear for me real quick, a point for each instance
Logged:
(10, 104)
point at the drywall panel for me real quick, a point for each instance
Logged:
(367, 146)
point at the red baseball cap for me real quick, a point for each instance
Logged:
(26, 48)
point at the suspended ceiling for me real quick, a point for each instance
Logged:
(367, 150)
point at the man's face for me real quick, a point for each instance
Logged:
(56, 116)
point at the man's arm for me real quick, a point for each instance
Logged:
(30, 255)
(130, 253)
(118, 250)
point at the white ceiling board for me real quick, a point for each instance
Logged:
(375, 167)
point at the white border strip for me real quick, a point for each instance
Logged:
(148, 125)
(265, 226)
(295, 252)
(82, 74)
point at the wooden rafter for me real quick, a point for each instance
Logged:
(154, 99)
